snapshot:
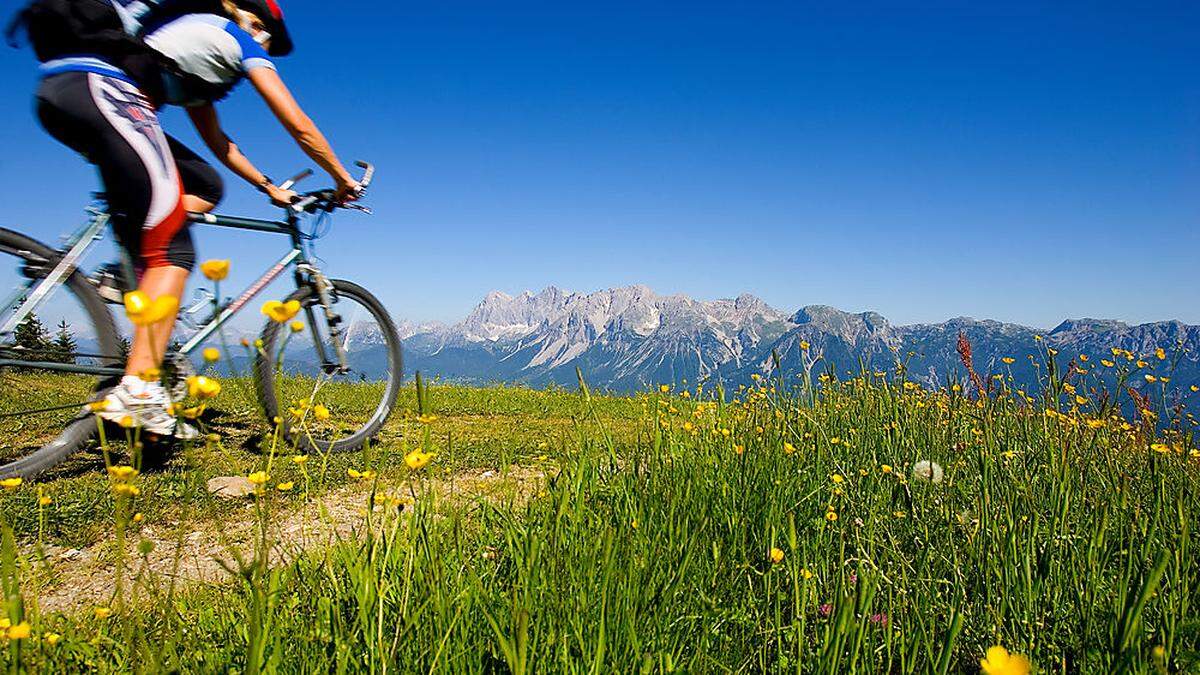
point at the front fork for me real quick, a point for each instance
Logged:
(332, 319)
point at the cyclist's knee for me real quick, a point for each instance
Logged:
(198, 204)
(201, 181)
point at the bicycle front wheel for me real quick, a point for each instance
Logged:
(324, 404)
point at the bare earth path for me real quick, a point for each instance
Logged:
(204, 551)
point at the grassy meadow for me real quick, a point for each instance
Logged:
(845, 524)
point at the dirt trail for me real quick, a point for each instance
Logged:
(199, 552)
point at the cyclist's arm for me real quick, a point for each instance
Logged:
(310, 139)
(208, 125)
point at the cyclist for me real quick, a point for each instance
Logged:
(152, 180)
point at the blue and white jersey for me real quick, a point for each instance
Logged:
(214, 54)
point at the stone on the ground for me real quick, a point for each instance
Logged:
(230, 487)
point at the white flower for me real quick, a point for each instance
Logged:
(927, 471)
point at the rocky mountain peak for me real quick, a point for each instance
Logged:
(1088, 326)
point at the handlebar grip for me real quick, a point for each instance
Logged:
(291, 182)
(368, 173)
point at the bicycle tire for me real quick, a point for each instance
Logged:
(264, 371)
(76, 433)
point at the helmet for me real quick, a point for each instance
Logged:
(271, 15)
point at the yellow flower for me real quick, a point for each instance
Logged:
(1083, 358)
(126, 489)
(831, 516)
(427, 419)
(899, 514)
(776, 555)
(20, 631)
(194, 412)
(806, 573)
(417, 459)
(1161, 354)
(360, 475)
(138, 517)
(143, 311)
(1161, 448)
(212, 354)
(300, 459)
(11, 483)
(200, 386)
(98, 406)
(102, 612)
(804, 346)
(835, 440)
(739, 449)
(259, 477)
(285, 487)
(215, 270)
(837, 478)
(789, 448)
(1194, 388)
(1000, 662)
(886, 468)
(45, 501)
(666, 388)
(1080, 400)
(297, 326)
(51, 638)
(281, 312)
(320, 412)
(1106, 363)
(1008, 360)
(1150, 378)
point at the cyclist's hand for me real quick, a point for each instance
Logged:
(348, 190)
(281, 197)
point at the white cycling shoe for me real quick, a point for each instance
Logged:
(148, 410)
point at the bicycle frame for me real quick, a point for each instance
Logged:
(84, 239)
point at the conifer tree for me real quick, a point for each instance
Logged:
(64, 347)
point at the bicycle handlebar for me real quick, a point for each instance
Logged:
(326, 199)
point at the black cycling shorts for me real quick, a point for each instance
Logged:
(144, 171)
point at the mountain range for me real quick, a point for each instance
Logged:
(630, 338)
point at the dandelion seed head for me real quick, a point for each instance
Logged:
(927, 471)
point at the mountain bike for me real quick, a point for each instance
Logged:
(341, 350)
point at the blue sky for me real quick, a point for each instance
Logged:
(1024, 161)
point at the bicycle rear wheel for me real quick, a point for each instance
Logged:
(41, 418)
(297, 370)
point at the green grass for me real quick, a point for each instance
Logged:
(1063, 535)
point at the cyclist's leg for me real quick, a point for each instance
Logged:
(112, 124)
(145, 199)
(202, 185)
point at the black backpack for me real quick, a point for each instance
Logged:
(60, 28)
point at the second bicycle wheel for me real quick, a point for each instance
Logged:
(41, 418)
(299, 377)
